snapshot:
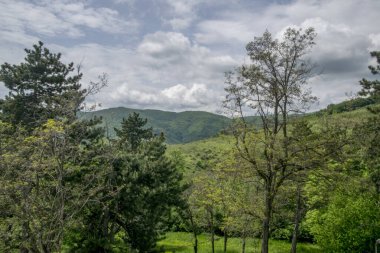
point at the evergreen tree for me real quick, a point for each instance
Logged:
(156, 184)
(40, 88)
(49, 159)
(132, 132)
(372, 88)
(141, 187)
(368, 133)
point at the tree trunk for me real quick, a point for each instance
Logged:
(195, 243)
(194, 231)
(225, 241)
(265, 239)
(212, 231)
(243, 244)
(297, 218)
(212, 241)
(266, 222)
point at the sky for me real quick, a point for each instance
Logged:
(172, 54)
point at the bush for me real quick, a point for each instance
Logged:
(350, 223)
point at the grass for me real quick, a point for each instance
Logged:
(181, 242)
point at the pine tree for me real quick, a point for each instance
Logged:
(48, 161)
(132, 132)
(141, 187)
(40, 88)
(372, 88)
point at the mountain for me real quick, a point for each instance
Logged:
(184, 127)
(178, 127)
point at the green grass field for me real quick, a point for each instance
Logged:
(180, 242)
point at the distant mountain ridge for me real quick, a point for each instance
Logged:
(188, 126)
(178, 127)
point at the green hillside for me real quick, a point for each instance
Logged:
(194, 151)
(184, 127)
(179, 127)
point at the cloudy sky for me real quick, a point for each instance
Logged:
(172, 54)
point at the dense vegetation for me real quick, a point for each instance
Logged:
(69, 184)
(62, 181)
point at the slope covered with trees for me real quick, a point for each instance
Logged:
(178, 127)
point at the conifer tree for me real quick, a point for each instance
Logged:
(40, 88)
(46, 157)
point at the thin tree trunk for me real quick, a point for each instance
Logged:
(266, 222)
(225, 241)
(212, 241)
(212, 231)
(195, 243)
(243, 244)
(297, 218)
(194, 231)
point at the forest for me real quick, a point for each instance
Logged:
(275, 178)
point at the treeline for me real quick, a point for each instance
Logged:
(63, 185)
(349, 105)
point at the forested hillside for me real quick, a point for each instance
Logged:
(183, 127)
(178, 127)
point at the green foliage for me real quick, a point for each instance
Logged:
(132, 132)
(344, 203)
(41, 88)
(350, 222)
(349, 105)
(60, 175)
(63, 182)
(140, 189)
(272, 86)
(44, 157)
(42, 177)
(372, 88)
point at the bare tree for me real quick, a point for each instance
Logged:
(271, 87)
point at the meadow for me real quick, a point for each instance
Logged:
(182, 242)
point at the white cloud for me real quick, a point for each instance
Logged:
(53, 18)
(198, 95)
(156, 68)
(167, 71)
(161, 44)
(180, 23)
(182, 7)
(128, 2)
(223, 31)
(175, 98)
(346, 33)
